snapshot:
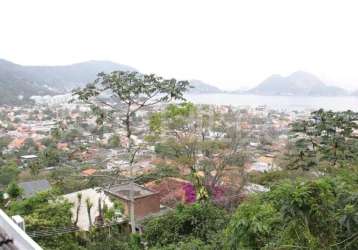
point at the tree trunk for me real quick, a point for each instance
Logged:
(79, 198)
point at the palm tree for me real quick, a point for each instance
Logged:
(89, 206)
(34, 168)
(79, 199)
(100, 219)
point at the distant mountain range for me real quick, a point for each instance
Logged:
(299, 83)
(200, 87)
(18, 83)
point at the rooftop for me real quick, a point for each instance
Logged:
(27, 157)
(30, 188)
(122, 191)
(89, 172)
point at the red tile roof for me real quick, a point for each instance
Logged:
(89, 172)
(170, 190)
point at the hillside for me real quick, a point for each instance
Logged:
(299, 83)
(19, 82)
(200, 87)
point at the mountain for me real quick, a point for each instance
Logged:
(200, 87)
(19, 82)
(299, 83)
(17, 85)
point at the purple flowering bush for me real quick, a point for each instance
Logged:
(189, 192)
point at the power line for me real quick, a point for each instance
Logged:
(65, 230)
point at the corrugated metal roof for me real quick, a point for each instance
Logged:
(30, 188)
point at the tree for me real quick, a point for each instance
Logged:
(29, 146)
(8, 172)
(56, 133)
(79, 199)
(89, 206)
(13, 190)
(4, 142)
(326, 136)
(34, 168)
(130, 92)
(50, 156)
(185, 128)
(198, 221)
(45, 212)
(72, 135)
(301, 214)
(114, 141)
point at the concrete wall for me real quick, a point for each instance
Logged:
(143, 206)
(20, 238)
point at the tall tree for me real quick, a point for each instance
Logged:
(186, 129)
(79, 200)
(326, 136)
(89, 206)
(121, 95)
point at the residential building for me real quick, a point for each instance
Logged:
(31, 188)
(146, 201)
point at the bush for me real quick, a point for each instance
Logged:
(307, 214)
(199, 221)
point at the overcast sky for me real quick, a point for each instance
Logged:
(230, 44)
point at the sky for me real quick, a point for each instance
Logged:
(230, 44)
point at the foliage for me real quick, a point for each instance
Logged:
(4, 142)
(29, 147)
(194, 138)
(326, 136)
(8, 172)
(13, 190)
(114, 141)
(188, 244)
(160, 171)
(50, 157)
(130, 89)
(128, 92)
(45, 211)
(200, 221)
(305, 214)
(271, 178)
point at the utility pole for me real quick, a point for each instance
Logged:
(131, 198)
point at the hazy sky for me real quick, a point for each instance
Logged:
(230, 44)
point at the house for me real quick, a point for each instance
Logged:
(260, 167)
(171, 190)
(31, 188)
(13, 237)
(255, 188)
(27, 159)
(17, 143)
(146, 201)
(94, 195)
(267, 159)
(89, 172)
(62, 146)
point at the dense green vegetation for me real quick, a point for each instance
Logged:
(201, 222)
(305, 214)
(312, 202)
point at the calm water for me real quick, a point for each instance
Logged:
(278, 102)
